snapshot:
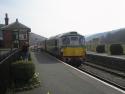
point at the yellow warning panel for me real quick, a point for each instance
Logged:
(70, 51)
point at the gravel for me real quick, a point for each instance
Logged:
(104, 75)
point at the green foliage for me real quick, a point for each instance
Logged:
(116, 49)
(22, 71)
(100, 49)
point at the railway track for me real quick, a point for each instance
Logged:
(113, 77)
(114, 72)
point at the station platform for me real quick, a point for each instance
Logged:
(58, 77)
(107, 55)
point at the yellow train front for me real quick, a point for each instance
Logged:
(73, 55)
(73, 51)
(70, 47)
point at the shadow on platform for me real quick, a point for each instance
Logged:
(45, 58)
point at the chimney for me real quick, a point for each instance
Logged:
(16, 20)
(6, 19)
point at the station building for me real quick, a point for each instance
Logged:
(13, 35)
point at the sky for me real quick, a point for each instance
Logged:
(51, 17)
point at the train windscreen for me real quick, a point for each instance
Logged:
(81, 40)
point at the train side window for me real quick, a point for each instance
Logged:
(55, 42)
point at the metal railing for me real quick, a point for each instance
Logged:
(5, 69)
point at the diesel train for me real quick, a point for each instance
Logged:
(69, 47)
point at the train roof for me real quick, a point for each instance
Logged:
(65, 34)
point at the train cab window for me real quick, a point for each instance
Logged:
(81, 40)
(66, 41)
(74, 38)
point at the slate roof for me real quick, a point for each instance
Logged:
(15, 25)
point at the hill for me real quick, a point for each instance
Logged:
(98, 35)
(114, 36)
(34, 38)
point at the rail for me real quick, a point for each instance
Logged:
(104, 74)
(107, 61)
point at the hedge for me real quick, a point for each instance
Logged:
(22, 71)
(116, 49)
(100, 49)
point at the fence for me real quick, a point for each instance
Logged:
(5, 69)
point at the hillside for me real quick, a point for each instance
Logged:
(114, 36)
(35, 38)
(98, 35)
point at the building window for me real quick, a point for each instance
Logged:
(23, 36)
(15, 35)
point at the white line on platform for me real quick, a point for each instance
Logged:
(93, 77)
